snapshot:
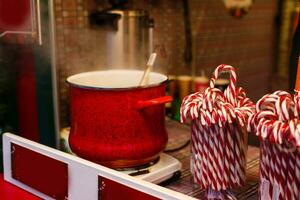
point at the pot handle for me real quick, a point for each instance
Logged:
(153, 102)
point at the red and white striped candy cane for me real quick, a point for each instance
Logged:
(290, 178)
(227, 158)
(229, 150)
(239, 153)
(297, 104)
(208, 145)
(190, 106)
(204, 150)
(242, 145)
(270, 161)
(215, 132)
(222, 156)
(278, 168)
(212, 161)
(297, 172)
(264, 170)
(230, 91)
(197, 155)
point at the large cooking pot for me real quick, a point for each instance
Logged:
(114, 122)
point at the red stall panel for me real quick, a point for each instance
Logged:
(45, 174)
(111, 190)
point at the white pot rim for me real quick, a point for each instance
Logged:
(115, 79)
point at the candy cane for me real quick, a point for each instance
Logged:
(212, 162)
(297, 104)
(221, 157)
(196, 160)
(230, 152)
(264, 168)
(278, 177)
(230, 91)
(216, 156)
(297, 172)
(271, 175)
(206, 155)
(227, 158)
(267, 164)
(237, 160)
(200, 143)
(243, 147)
(290, 184)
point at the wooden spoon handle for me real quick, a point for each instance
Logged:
(150, 63)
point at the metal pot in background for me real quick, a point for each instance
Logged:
(128, 41)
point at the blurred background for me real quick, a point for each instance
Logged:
(44, 41)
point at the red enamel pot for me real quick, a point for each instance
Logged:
(114, 122)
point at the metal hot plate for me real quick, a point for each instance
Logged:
(164, 169)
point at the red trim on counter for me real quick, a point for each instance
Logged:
(45, 174)
(111, 190)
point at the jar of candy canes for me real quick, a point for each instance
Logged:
(219, 143)
(276, 123)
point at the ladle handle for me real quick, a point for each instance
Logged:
(153, 102)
